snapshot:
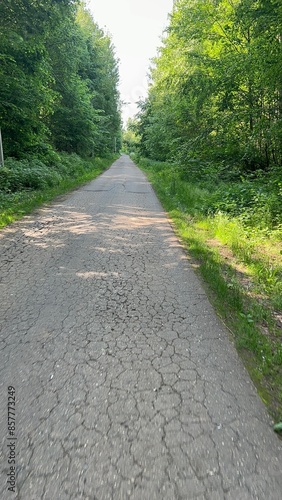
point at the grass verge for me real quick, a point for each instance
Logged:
(242, 270)
(24, 188)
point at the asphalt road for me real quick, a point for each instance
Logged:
(127, 385)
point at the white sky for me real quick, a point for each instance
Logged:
(136, 27)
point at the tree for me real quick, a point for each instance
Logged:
(26, 96)
(102, 76)
(130, 137)
(58, 79)
(215, 86)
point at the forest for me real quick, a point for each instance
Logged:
(209, 137)
(58, 79)
(216, 85)
(215, 104)
(214, 107)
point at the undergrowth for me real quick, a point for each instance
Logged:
(26, 184)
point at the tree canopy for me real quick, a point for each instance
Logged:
(215, 87)
(58, 79)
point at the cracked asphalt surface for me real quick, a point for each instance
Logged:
(127, 384)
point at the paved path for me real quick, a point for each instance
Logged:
(127, 386)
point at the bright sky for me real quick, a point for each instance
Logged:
(136, 27)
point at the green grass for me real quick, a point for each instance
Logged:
(241, 266)
(26, 185)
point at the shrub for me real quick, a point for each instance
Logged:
(23, 174)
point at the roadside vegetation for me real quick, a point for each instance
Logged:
(239, 255)
(209, 137)
(58, 80)
(27, 184)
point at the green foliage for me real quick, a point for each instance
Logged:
(255, 203)
(36, 174)
(130, 138)
(215, 89)
(24, 174)
(58, 80)
(278, 427)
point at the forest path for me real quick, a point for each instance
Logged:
(127, 385)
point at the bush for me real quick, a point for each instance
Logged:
(23, 174)
(212, 188)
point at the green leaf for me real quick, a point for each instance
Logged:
(278, 427)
